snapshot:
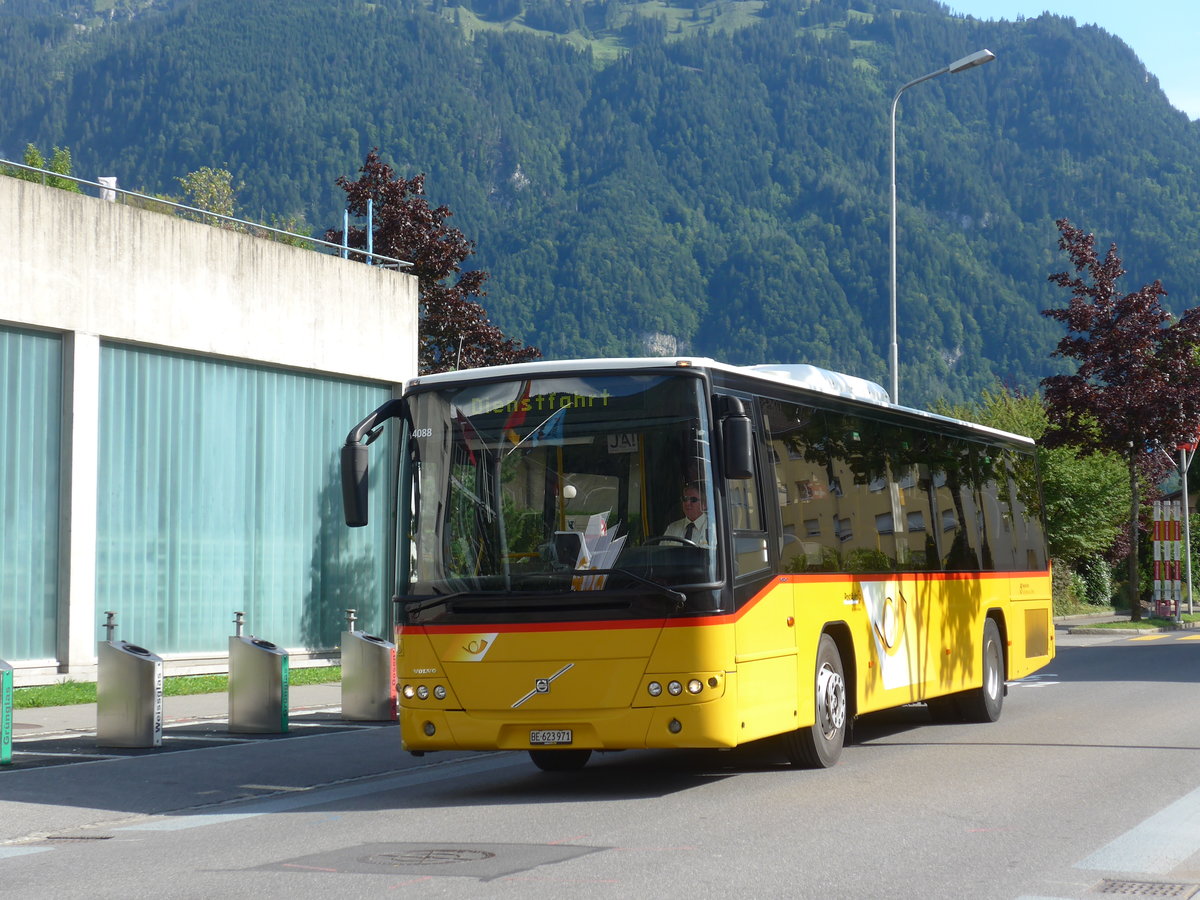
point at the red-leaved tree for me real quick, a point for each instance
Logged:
(1136, 391)
(454, 332)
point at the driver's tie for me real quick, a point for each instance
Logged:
(689, 531)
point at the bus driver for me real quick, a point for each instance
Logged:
(694, 525)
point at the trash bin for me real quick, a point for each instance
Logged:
(6, 708)
(129, 691)
(258, 685)
(368, 677)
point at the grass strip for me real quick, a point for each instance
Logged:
(69, 693)
(1152, 623)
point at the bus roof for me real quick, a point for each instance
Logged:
(812, 378)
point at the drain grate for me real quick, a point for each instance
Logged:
(1146, 889)
(429, 857)
(79, 837)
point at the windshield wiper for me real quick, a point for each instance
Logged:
(664, 591)
(415, 606)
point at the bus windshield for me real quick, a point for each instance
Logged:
(565, 486)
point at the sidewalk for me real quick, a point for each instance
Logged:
(47, 721)
(1082, 625)
(1075, 621)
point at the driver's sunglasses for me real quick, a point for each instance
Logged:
(691, 499)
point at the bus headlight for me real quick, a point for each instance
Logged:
(674, 688)
(439, 692)
(409, 692)
(695, 686)
(422, 693)
(654, 689)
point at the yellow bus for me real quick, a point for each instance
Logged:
(845, 555)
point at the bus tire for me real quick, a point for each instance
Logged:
(819, 745)
(560, 760)
(983, 704)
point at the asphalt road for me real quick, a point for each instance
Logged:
(1088, 786)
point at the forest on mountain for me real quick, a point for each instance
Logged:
(704, 177)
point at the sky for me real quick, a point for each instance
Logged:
(1164, 34)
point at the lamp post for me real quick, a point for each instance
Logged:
(978, 58)
(1186, 452)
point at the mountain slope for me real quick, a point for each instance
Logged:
(710, 179)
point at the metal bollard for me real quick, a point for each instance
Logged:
(368, 675)
(258, 684)
(129, 692)
(6, 708)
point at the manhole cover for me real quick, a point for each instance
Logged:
(428, 857)
(1146, 889)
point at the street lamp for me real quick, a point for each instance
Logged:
(1186, 452)
(978, 58)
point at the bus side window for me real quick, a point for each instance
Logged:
(1029, 543)
(957, 510)
(914, 509)
(801, 486)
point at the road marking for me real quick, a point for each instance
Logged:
(1040, 679)
(1155, 846)
(1191, 637)
(211, 738)
(6, 852)
(420, 775)
(56, 754)
(1149, 637)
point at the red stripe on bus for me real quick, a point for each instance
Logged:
(724, 619)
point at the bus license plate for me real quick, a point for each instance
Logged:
(542, 738)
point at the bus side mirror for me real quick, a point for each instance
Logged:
(354, 458)
(737, 447)
(354, 484)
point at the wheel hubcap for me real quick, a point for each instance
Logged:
(991, 674)
(831, 701)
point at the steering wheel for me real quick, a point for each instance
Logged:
(670, 537)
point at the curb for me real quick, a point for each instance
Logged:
(1181, 626)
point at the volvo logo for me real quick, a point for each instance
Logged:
(542, 685)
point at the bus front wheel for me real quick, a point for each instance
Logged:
(819, 745)
(560, 760)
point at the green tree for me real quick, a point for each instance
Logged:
(297, 231)
(1136, 391)
(60, 164)
(211, 190)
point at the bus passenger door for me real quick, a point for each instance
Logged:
(764, 636)
(891, 502)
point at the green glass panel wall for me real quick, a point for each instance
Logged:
(219, 491)
(30, 417)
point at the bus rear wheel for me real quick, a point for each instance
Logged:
(819, 745)
(560, 760)
(984, 703)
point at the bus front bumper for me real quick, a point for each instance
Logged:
(700, 725)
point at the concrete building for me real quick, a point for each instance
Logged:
(172, 399)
